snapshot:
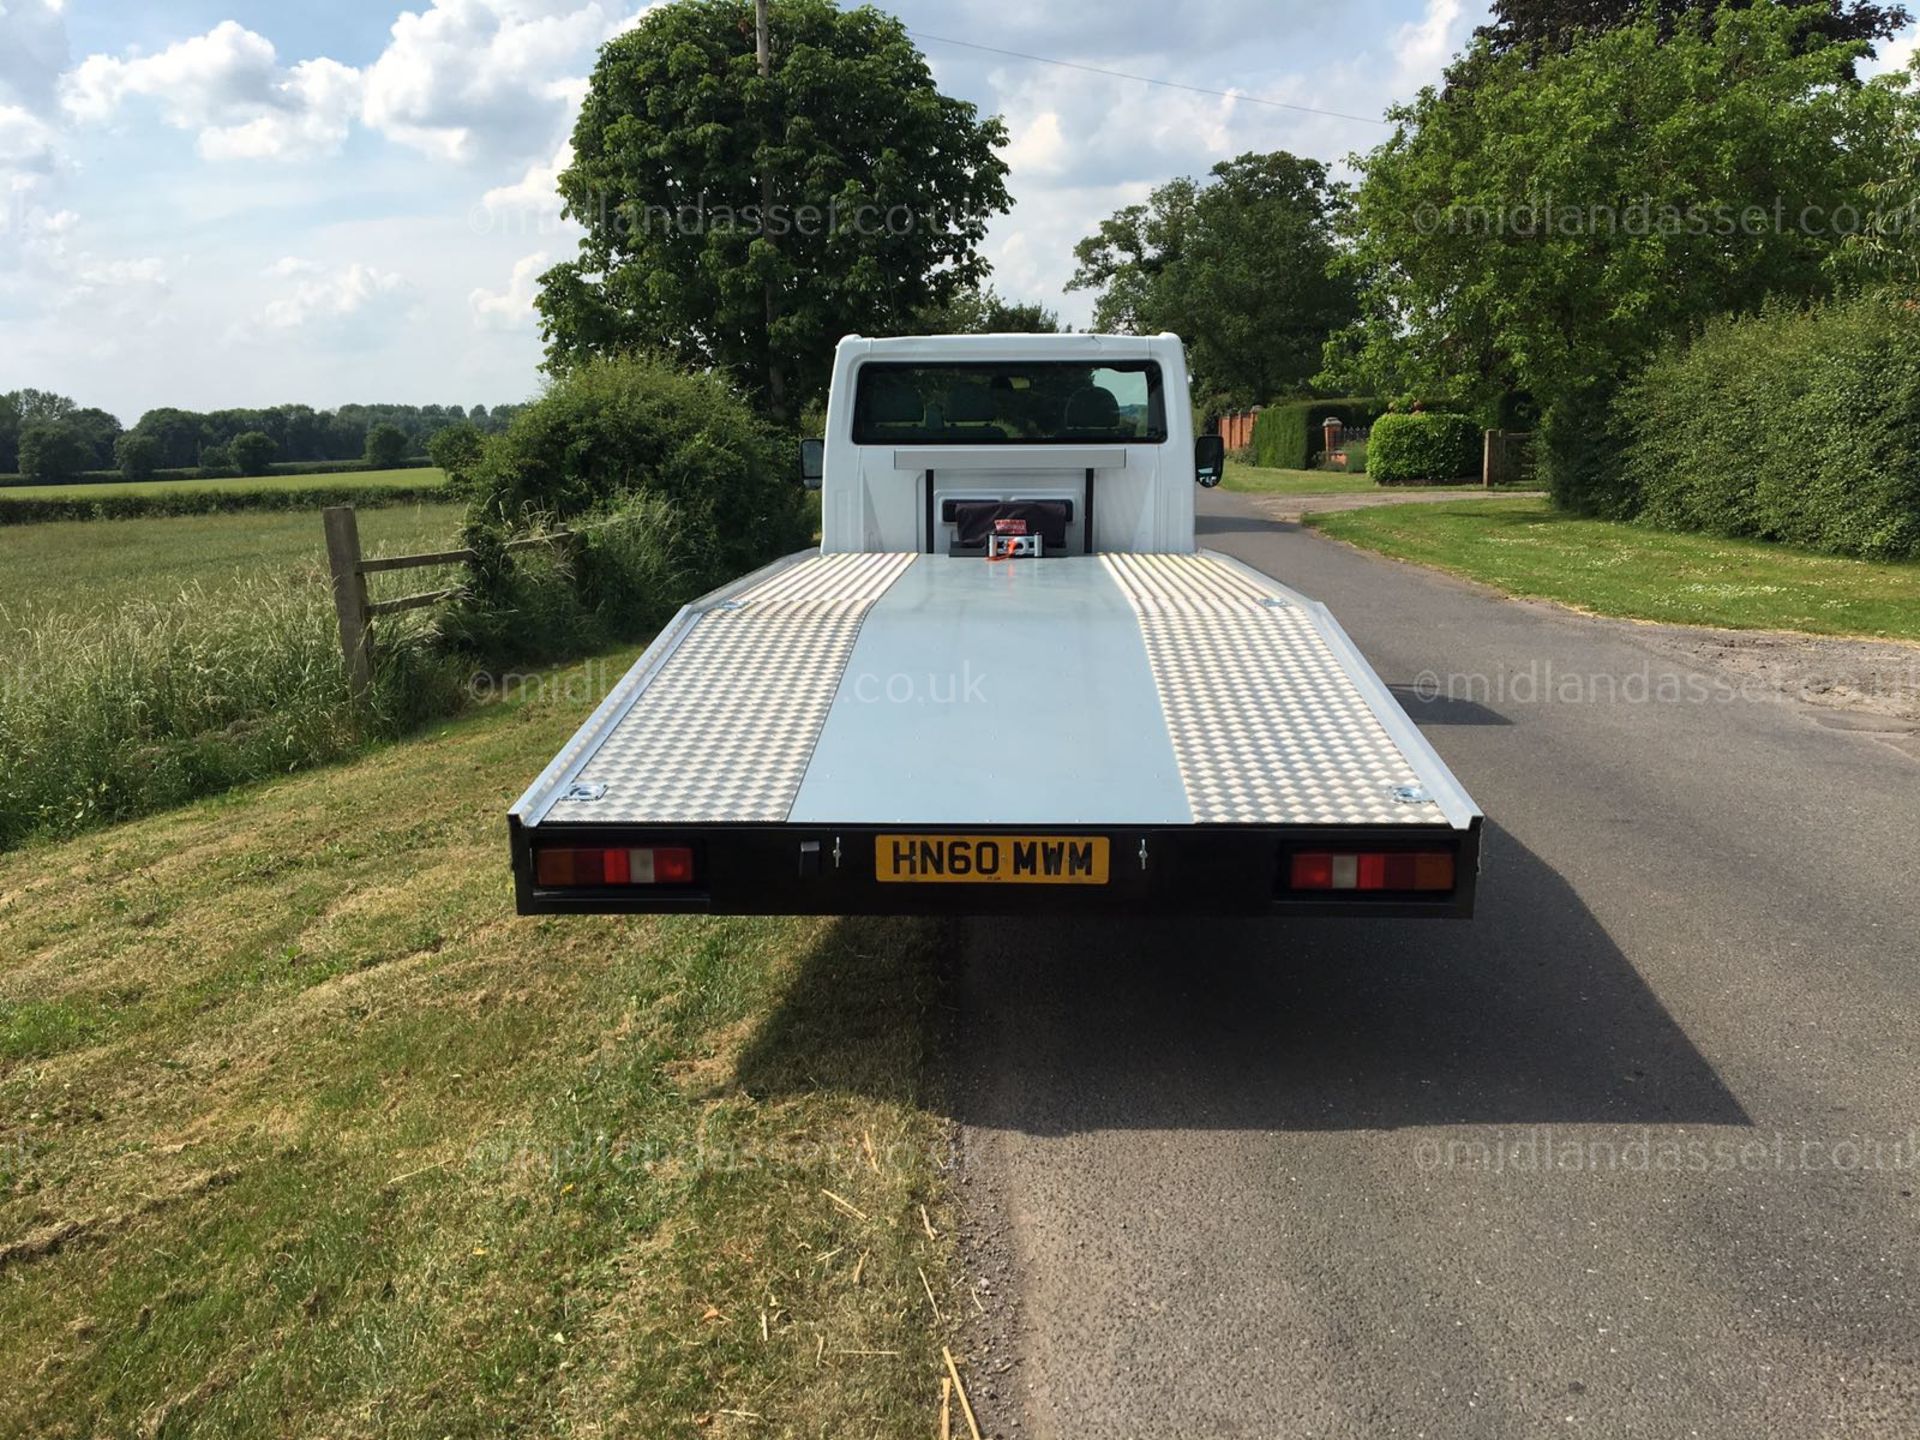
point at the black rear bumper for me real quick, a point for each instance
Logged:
(830, 870)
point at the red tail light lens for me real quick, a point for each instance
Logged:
(647, 865)
(1416, 870)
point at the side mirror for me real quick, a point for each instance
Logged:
(813, 462)
(1209, 460)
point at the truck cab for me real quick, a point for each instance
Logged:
(1093, 433)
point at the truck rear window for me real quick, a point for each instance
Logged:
(1007, 403)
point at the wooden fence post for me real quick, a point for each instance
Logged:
(349, 596)
(1489, 459)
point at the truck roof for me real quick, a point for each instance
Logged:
(1021, 346)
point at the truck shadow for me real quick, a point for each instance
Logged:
(1528, 1014)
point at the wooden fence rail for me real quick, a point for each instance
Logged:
(356, 612)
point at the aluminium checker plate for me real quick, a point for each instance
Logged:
(716, 722)
(1269, 720)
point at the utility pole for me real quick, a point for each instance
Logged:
(763, 51)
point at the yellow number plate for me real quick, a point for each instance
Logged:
(991, 859)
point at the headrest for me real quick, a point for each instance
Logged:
(1092, 409)
(969, 404)
(895, 404)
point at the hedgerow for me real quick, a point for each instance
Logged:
(1797, 426)
(35, 510)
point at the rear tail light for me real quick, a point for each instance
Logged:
(1417, 870)
(647, 865)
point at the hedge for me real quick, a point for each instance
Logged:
(638, 425)
(1287, 436)
(1801, 427)
(1429, 448)
(16, 510)
(193, 472)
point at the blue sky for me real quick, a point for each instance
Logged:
(235, 202)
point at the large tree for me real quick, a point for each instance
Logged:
(1540, 27)
(1237, 266)
(53, 451)
(21, 408)
(748, 221)
(986, 312)
(1885, 253)
(1543, 231)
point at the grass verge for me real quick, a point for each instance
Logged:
(302, 1131)
(1526, 548)
(1247, 479)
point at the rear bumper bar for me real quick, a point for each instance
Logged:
(830, 870)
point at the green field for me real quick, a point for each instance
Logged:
(420, 477)
(303, 1131)
(1525, 548)
(84, 566)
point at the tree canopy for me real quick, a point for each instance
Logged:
(52, 451)
(252, 452)
(387, 446)
(1555, 26)
(986, 312)
(1542, 231)
(1236, 265)
(748, 222)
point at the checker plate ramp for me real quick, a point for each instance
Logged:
(725, 730)
(1267, 723)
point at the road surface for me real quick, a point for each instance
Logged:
(1630, 1154)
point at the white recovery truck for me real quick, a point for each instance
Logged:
(1007, 682)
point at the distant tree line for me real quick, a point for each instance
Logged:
(50, 437)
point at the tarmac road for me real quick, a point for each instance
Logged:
(1632, 1153)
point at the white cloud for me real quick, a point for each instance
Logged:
(316, 102)
(195, 81)
(26, 141)
(328, 296)
(228, 85)
(148, 271)
(534, 197)
(1038, 147)
(1422, 48)
(1895, 54)
(33, 52)
(511, 308)
(466, 79)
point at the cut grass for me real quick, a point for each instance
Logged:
(80, 566)
(1246, 479)
(303, 1131)
(1526, 548)
(417, 478)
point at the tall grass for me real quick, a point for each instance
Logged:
(117, 712)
